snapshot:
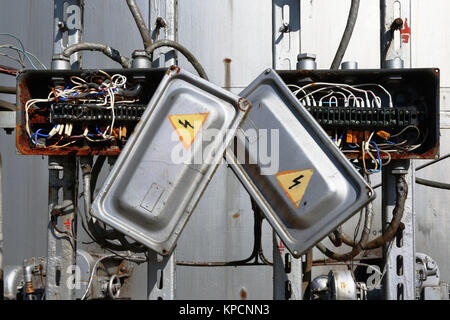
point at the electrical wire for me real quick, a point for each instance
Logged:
(7, 105)
(106, 50)
(140, 23)
(184, 51)
(14, 37)
(351, 21)
(433, 184)
(359, 246)
(391, 230)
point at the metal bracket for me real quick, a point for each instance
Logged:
(286, 33)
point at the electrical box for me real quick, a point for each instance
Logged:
(81, 112)
(391, 113)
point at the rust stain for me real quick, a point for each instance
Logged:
(243, 294)
(227, 62)
(236, 215)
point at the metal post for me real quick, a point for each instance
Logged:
(161, 277)
(161, 271)
(1, 231)
(287, 271)
(61, 247)
(399, 281)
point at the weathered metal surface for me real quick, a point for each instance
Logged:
(399, 282)
(152, 190)
(165, 268)
(7, 119)
(214, 35)
(287, 273)
(302, 212)
(29, 78)
(286, 33)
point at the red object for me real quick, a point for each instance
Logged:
(281, 247)
(405, 32)
(67, 224)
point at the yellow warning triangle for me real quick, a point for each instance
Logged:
(187, 126)
(294, 183)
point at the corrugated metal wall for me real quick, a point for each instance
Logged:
(215, 30)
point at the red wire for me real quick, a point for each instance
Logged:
(8, 71)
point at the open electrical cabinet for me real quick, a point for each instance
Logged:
(81, 112)
(398, 107)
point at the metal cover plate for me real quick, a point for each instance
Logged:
(312, 188)
(151, 191)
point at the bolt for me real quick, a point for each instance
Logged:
(397, 24)
(303, 56)
(284, 28)
(62, 26)
(161, 23)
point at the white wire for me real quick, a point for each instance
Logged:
(391, 105)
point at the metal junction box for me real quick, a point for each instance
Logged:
(169, 160)
(71, 112)
(309, 187)
(400, 106)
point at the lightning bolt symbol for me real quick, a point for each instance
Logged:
(185, 124)
(296, 181)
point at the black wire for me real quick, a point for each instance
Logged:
(433, 162)
(433, 184)
(183, 50)
(351, 21)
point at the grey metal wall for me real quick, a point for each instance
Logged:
(214, 30)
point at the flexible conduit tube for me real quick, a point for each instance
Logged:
(106, 50)
(140, 23)
(184, 51)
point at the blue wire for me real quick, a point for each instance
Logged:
(378, 155)
(36, 134)
(27, 54)
(351, 145)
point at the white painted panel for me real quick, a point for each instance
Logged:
(323, 23)
(215, 30)
(430, 36)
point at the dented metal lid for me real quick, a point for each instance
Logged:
(301, 181)
(167, 163)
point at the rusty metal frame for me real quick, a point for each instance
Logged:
(165, 268)
(24, 83)
(399, 281)
(60, 261)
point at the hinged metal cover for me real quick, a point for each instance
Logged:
(169, 160)
(309, 187)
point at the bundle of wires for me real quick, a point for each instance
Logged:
(99, 91)
(374, 147)
(22, 56)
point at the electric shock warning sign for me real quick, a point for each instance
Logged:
(187, 126)
(294, 183)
